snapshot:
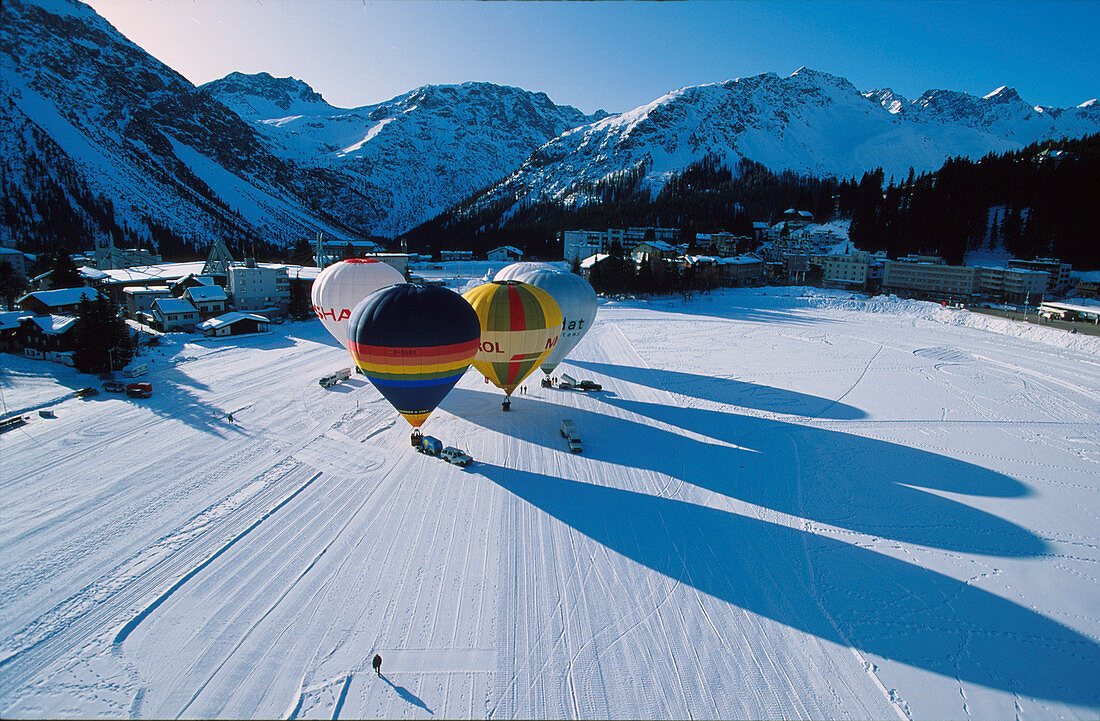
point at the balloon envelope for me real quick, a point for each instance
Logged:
(520, 325)
(340, 287)
(515, 270)
(413, 343)
(577, 301)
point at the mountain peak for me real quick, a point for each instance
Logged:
(260, 96)
(1003, 94)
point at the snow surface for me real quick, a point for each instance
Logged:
(792, 503)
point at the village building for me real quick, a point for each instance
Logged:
(1058, 282)
(48, 337)
(63, 301)
(235, 323)
(505, 253)
(259, 287)
(209, 300)
(173, 314)
(580, 244)
(140, 299)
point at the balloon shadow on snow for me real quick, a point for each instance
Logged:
(879, 605)
(848, 481)
(727, 390)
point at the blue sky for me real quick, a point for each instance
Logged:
(619, 55)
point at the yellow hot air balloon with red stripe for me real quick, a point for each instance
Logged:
(520, 325)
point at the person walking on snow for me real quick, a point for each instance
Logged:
(377, 663)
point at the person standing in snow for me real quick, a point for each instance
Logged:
(377, 663)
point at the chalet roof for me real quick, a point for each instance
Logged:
(229, 319)
(53, 324)
(61, 296)
(10, 319)
(593, 259)
(173, 305)
(206, 293)
(658, 244)
(508, 248)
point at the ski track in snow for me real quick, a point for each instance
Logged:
(654, 574)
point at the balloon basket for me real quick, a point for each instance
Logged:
(506, 404)
(416, 437)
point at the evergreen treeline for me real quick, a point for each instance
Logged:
(1035, 202)
(706, 197)
(1032, 202)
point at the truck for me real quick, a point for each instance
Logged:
(333, 378)
(571, 435)
(138, 369)
(429, 446)
(139, 390)
(455, 456)
(569, 383)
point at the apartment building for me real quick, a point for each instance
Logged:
(1058, 282)
(581, 244)
(259, 287)
(930, 279)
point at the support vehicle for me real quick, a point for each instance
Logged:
(333, 378)
(455, 456)
(571, 435)
(139, 390)
(429, 446)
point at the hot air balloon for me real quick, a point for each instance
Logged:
(342, 285)
(520, 325)
(577, 301)
(515, 270)
(413, 343)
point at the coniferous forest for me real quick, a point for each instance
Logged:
(1041, 201)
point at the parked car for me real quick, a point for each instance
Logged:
(455, 456)
(114, 386)
(571, 435)
(587, 385)
(86, 392)
(139, 390)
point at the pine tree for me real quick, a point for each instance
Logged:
(102, 339)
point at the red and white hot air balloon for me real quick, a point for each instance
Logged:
(340, 287)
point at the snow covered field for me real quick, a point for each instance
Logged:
(792, 503)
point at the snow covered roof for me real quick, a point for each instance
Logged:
(147, 273)
(230, 319)
(173, 305)
(659, 245)
(206, 292)
(147, 290)
(53, 323)
(592, 260)
(10, 319)
(92, 273)
(61, 296)
(508, 248)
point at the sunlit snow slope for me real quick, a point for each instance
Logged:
(791, 504)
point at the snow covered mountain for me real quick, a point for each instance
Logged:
(99, 135)
(809, 122)
(418, 153)
(112, 137)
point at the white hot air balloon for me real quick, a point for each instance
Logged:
(340, 287)
(577, 301)
(515, 270)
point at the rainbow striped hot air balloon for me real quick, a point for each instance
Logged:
(520, 325)
(413, 343)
